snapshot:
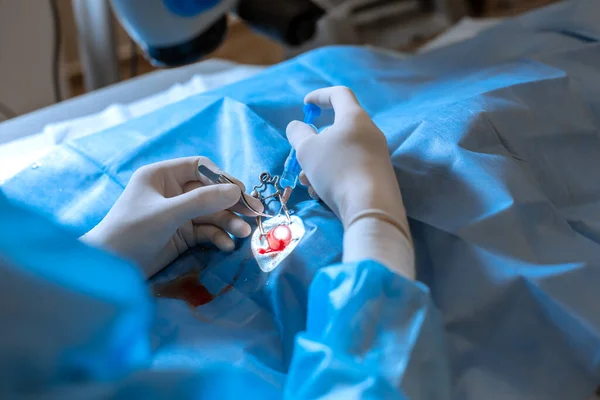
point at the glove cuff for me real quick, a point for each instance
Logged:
(382, 215)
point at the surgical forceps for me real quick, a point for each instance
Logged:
(220, 179)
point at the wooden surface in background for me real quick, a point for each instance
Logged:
(507, 8)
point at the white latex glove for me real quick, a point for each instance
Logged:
(348, 166)
(167, 208)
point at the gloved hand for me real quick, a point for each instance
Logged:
(348, 166)
(167, 208)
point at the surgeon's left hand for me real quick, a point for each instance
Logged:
(167, 208)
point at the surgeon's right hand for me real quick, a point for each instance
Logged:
(348, 166)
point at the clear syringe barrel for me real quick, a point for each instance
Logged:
(291, 168)
(291, 171)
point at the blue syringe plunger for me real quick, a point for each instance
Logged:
(291, 168)
(311, 112)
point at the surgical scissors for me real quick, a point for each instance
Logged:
(220, 179)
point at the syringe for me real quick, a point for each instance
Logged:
(291, 168)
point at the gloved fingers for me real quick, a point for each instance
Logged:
(242, 209)
(313, 194)
(185, 170)
(227, 221)
(189, 186)
(340, 98)
(213, 167)
(298, 132)
(203, 200)
(204, 179)
(181, 169)
(311, 191)
(255, 203)
(238, 207)
(212, 234)
(304, 179)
